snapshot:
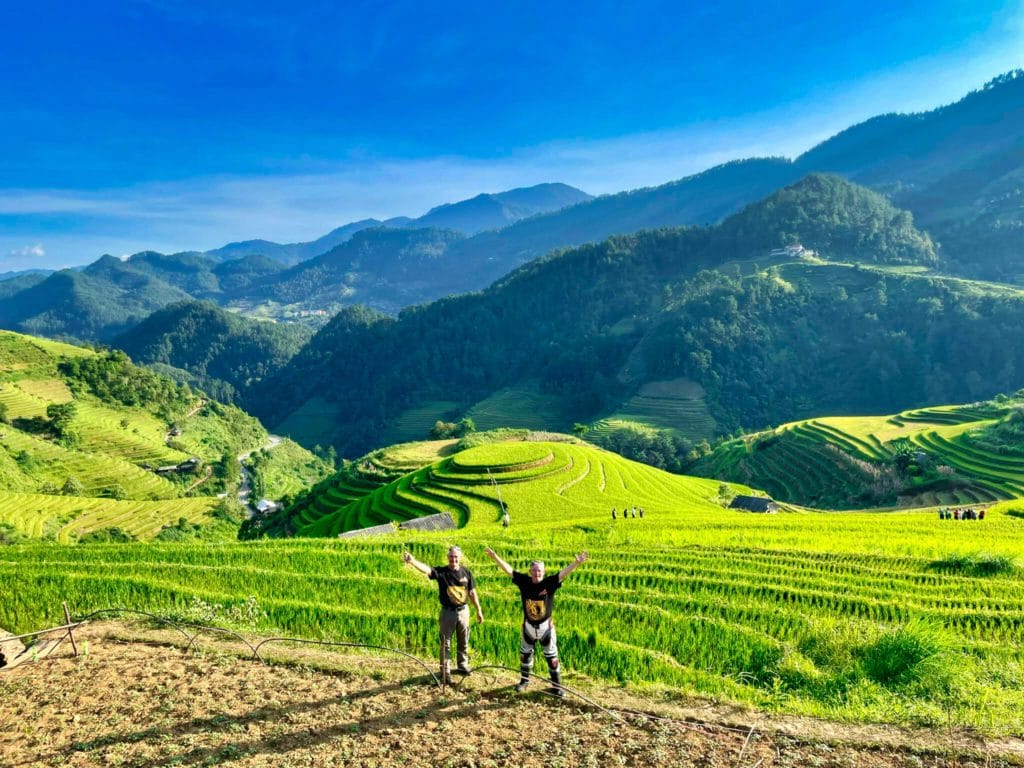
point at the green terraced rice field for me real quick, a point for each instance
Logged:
(406, 457)
(20, 404)
(96, 472)
(50, 390)
(785, 612)
(312, 423)
(832, 462)
(535, 481)
(142, 441)
(675, 406)
(518, 407)
(416, 423)
(69, 518)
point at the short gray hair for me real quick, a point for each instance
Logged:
(537, 562)
(453, 550)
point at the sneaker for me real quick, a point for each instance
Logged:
(521, 686)
(558, 693)
(448, 679)
(463, 671)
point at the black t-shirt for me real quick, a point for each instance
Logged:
(539, 598)
(453, 586)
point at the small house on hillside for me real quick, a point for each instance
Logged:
(265, 506)
(792, 251)
(188, 465)
(754, 504)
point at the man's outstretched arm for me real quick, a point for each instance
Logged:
(497, 559)
(421, 567)
(581, 558)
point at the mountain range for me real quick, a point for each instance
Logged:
(483, 212)
(945, 200)
(854, 320)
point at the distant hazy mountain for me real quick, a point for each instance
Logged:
(704, 198)
(4, 276)
(384, 268)
(19, 281)
(496, 211)
(226, 354)
(485, 211)
(292, 253)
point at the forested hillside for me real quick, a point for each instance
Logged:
(225, 354)
(97, 303)
(957, 168)
(202, 278)
(767, 343)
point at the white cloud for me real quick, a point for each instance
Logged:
(28, 251)
(23, 257)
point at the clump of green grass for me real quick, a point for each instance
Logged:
(912, 653)
(980, 564)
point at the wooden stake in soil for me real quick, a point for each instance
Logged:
(67, 620)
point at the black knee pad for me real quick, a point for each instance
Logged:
(553, 662)
(526, 658)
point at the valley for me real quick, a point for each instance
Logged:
(779, 401)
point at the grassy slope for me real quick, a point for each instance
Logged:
(290, 468)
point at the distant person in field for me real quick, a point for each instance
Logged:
(456, 587)
(505, 520)
(537, 593)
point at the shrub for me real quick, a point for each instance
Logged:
(9, 534)
(72, 487)
(113, 535)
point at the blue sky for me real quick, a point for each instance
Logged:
(185, 125)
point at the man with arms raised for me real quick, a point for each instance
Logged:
(455, 585)
(538, 596)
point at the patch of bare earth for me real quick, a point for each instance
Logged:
(136, 700)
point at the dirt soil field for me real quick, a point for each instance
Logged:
(135, 699)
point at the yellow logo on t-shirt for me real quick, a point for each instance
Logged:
(534, 610)
(457, 595)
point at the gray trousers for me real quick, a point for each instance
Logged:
(545, 636)
(457, 622)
